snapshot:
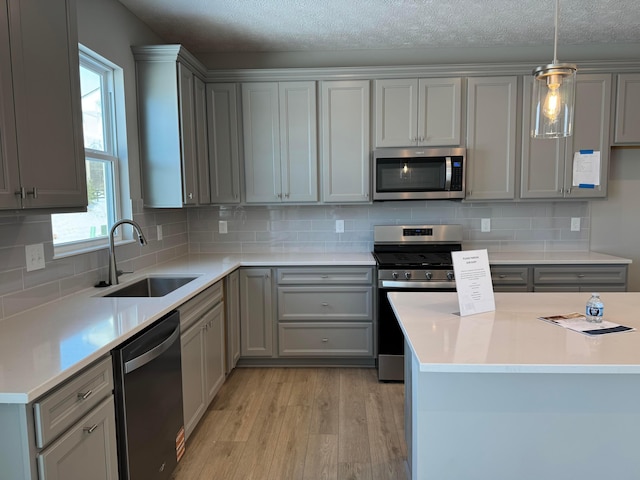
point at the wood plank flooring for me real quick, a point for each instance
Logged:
(300, 424)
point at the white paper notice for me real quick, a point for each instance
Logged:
(473, 281)
(586, 169)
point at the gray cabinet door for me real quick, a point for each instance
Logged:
(232, 302)
(188, 135)
(439, 111)
(9, 176)
(491, 138)
(202, 144)
(46, 93)
(214, 342)
(256, 312)
(298, 141)
(396, 112)
(193, 388)
(261, 132)
(590, 131)
(627, 127)
(224, 160)
(87, 450)
(345, 120)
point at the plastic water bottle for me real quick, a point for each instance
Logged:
(595, 308)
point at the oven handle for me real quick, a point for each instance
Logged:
(425, 285)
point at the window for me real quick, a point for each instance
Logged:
(79, 231)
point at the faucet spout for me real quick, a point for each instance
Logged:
(113, 269)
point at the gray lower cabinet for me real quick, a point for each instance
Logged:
(232, 303)
(327, 314)
(627, 119)
(511, 278)
(256, 312)
(203, 353)
(67, 434)
(580, 278)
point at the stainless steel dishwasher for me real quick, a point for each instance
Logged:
(148, 392)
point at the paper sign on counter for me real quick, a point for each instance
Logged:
(473, 281)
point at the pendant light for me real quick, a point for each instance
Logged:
(553, 95)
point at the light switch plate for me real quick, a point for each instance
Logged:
(35, 256)
(575, 224)
(485, 225)
(222, 226)
(339, 226)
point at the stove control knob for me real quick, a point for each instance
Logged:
(407, 275)
(428, 275)
(395, 275)
(450, 276)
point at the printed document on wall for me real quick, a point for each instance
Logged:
(473, 281)
(586, 169)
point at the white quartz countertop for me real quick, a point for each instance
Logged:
(42, 347)
(512, 339)
(555, 258)
(45, 346)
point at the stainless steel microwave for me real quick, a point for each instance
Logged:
(418, 173)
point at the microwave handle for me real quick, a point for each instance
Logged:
(447, 178)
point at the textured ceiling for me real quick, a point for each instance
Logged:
(325, 25)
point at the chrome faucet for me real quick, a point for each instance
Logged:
(113, 270)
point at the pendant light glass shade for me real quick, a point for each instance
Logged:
(553, 96)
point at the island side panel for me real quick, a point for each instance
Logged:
(504, 426)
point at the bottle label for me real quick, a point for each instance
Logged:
(594, 311)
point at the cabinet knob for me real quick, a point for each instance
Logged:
(190, 196)
(91, 428)
(85, 395)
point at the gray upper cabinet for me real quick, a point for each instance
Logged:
(424, 111)
(345, 126)
(627, 126)
(547, 165)
(40, 121)
(280, 142)
(224, 160)
(172, 126)
(491, 138)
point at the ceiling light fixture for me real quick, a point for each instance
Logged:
(553, 95)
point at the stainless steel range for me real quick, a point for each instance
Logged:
(409, 258)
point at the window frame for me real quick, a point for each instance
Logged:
(108, 72)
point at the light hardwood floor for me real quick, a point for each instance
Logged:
(300, 424)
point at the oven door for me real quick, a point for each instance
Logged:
(390, 336)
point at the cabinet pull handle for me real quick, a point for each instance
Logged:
(581, 275)
(324, 276)
(325, 304)
(325, 340)
(33, 192)
(85, 395)
(21, 193)
(91, 428)
(190, 195)
(286, 195)
(502, 275)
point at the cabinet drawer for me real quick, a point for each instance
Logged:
(325, 339)
(510, 275)
(325, 303)
(57, 411)
(193, 309)
(580, 275)
(346, 275)
(87, 450)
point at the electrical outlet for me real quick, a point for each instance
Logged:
(575, 224)
(222, 226)
(35, 256)
(159, 228)
(339, 226)
(485, 225)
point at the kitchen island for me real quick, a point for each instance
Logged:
(503, 395)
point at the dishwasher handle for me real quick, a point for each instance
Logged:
(155, 352)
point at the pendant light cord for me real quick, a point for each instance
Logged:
(555, 38)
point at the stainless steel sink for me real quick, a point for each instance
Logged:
(151, 287)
